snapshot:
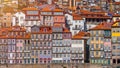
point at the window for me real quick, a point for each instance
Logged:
(97, 33)
(40, 52)
(97, 45)
(97, 38)
(114, 47)
(114, 39)
(28, 41)
(32, 53)
(44, 52)
(36, 60)
(97, 53)
(114, 61)
(25, 61)
(32, 60)
(36, 53)
(92, 38)
(80, 41)
(48, 52)
(28, 60)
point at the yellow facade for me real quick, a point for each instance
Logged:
(115, 33)
(97, 55)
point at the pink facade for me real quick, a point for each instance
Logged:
(59, 18)
(107, 44)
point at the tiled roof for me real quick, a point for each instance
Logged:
(7, 9)
(116, 15)
(81, 35)
(96, 7)
(42, 30)
(4, 33)
(117, 3)
(72, 8)
(57, 25)
(66, 30)
(58, 10)
(103, 26)
(29, 8)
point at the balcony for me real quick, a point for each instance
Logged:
(77, 57)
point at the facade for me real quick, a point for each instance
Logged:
(75, 23)
(78, 47)
(6, 20)
(47, 17)
(13, 40)
(59, 17)
(66, 48)
(100, 44)
(41, 51)
(92, 19)
(115, 6)
(32, 17)
(51, 16)
(26, 49)
(57, 36)
(18, 19)
(115, 43)
(3, 50)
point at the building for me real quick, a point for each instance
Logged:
(115, 43)
(57, 47)
(51, 15)
(13, 39)
(32, 17)
(59, 17)
(66, 48)
(75, 23)
(41, 39)
(26, 49)
(47, 17)
(92, 19)
(18, 19)
(115, 17)
(16, 40)
(100, 44)
(78, 47)
(3, 47)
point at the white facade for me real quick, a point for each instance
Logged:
(18, 18)
(75, 25)
(77, 51)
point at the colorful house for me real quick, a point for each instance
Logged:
(115, 42)
(57, 46)
(32, 17)
(78, 47)
(41, 39)
(100, 44)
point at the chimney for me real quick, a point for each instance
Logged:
(49, 1)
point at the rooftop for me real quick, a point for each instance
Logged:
(81, 35)
(103, 26)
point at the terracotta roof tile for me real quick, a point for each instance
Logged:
(57, 25)
(96, 7)
(117, 3)
(81, 35)
(66, 30)
(29, 8)
(58, 10)
(103, 26)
